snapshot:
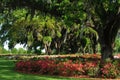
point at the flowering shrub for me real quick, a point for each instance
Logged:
(68, 67)
(90, 68)
(109, 70)
(40, 66)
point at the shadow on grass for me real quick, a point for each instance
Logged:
(7, 72)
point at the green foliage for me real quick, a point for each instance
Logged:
(18, 51)
(62, 23)
(117, 45)
(47, 39)
(1, 50)
(89, 30)
(14, 50)
(34, 27)
(59, 34)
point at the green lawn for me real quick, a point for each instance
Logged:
(7, 72)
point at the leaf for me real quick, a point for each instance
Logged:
(59, 34)
(39, 36)
(47, 39)
(89, 30)
(119, 1)
(30, 38)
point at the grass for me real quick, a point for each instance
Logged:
(7, 72)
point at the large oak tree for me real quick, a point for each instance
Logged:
(105, 15)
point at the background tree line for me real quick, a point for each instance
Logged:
(61, 26)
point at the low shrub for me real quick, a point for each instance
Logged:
(109, 70)
(52, 67)
(67, 67)
(91, 68)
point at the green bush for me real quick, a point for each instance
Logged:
(117, 45)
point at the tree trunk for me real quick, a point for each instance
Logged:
(47, 49)
(106, 41)
(58, 47)
(106, 52)
(107, 35)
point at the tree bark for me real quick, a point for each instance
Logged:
(106, 51)
(58, 47)
(47, 49)
(106, 41)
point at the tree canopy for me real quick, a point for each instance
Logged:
(61, 25)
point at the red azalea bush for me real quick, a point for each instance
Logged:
(66, 67)
(52, 67)
(69, 68)
(91, 68)
(39, 66)
(109, 70)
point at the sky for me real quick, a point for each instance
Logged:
(17, 46)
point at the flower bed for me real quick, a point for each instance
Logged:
(68, 67)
